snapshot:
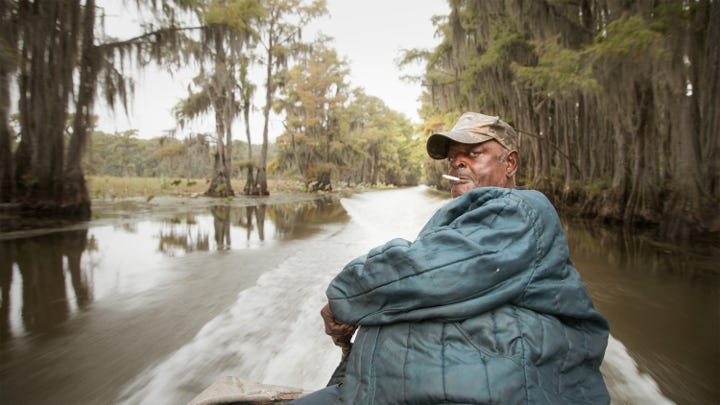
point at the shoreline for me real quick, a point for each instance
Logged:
(18, 223)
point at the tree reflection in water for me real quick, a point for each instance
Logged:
(246, 221)
(636, 251)
(298, 220)
(40, 262)
(221, 223)
(53, 280)
(260, 215)
(6, 264)
(661, 301)
(171, 238)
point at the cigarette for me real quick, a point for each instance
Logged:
(451, 178)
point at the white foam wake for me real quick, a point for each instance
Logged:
(626, 383)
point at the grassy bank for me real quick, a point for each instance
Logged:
(123, 187)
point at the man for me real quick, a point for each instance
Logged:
(483, 307)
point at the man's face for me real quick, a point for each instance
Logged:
(480, 165)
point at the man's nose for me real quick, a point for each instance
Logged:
(456, 162)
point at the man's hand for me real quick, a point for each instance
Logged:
(339, 332)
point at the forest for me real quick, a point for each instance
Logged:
(614, 101)
(124, 154)
(58, 60)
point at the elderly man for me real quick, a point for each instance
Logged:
(483, 307)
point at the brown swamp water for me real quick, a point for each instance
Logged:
(146, 307)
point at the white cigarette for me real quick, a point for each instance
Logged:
(451, 178)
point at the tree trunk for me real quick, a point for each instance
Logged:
(684, 208)
(229, 101)
(542, 177)
(50, 45)
(269, 89)
(568, 116)
(246, 116)
(220, 185)
(374, 168)
(613, 205)
(293, 144)
(261, 179)
(7, 189)
(249, 182)
(8, 38)
(643, 187)
(709, 96)
(76, 198)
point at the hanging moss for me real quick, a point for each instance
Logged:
(598, 90)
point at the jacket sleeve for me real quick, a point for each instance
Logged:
(474, 255)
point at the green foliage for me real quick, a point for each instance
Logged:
(326, 167)
(354, 136)
(240, 153)
(169, 150)
(239, 15)
(245, 164)
(506, 45)
(559, 71)
(125, 155)
(594, 188)
(280, 31)
(630, 36)
(556, 175)
(410, 56)
(599, 90)
(195, 105)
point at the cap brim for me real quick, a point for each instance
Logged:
(437, 144)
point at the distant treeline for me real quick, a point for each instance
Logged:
(368, 151)
(123, 154)
(616, 102)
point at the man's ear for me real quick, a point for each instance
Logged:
(512, 164)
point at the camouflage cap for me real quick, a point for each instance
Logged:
(473, 128)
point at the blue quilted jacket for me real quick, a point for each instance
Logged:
(484, 307)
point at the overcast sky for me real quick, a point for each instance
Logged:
(370, 33)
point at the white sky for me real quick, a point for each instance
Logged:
(370, 33)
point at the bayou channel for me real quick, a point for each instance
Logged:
(151, 302)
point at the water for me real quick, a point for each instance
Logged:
(148, 309)
(663, 304)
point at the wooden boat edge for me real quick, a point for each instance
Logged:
(235, 390)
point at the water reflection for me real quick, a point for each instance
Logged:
(221, 223)
(45, 279)
(5, 281)
(173, 239)
(661, 302)
(40, 267)
(638, 252)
